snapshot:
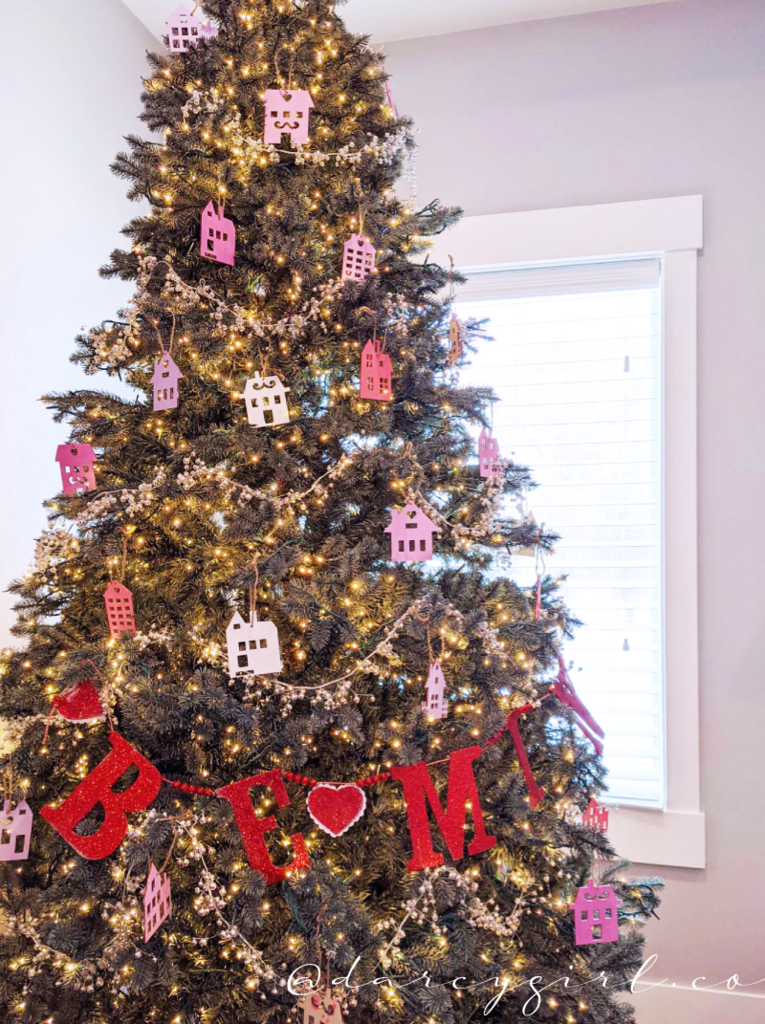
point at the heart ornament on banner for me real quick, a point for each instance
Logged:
(80, 704)
(336, 808)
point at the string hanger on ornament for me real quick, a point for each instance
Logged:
(452, 293)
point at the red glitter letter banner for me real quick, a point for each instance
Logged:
(96, 788)
(462, 790)
(253, 829)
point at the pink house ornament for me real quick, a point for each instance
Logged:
(77, 463)
(217, 236)
(287, 111)
(165, 382)
(184, 30)
(15, 831)
(411, 535)
(358, 259)
(375, 373)
(157, 902)
(434, 704)
(488, 455)
(596, 915)
(320, 1008)
(119, 609)
(595, 817)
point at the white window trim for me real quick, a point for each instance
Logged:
(672, 229)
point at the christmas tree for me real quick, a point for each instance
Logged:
(258, 726)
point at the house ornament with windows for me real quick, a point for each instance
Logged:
(217, 236)
(15, 831)
(157, 902)
(320, 1008)
(411, 535)
(595, 817)
(455, 341)
(434, 704)
(253, 647)
(488, 455)
(375, 373)
(358, 259)
(165, 382)
(266, 401)
(596, 915)
(184, 30)
(287, 112)
(120, 613)
(77, 464)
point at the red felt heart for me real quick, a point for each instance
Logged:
(80, 704)
(336, 808)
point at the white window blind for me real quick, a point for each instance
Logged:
(576, 364)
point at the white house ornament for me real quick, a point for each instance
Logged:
(287, 112)
(165, 383)
(320, 1008)
(434, 705)
(358, 259)
(253, 647)
(157, 902)
(15, 831)
(335, 809)
(411, 535)
(266, 401)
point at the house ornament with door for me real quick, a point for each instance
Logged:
(184, 30)
(165, 383)
(455, 341)
(266, 400)
(488, 455)
(217, 237)
(375, 373)
(77, 463)
(596, 915)
(358, 259)
(287, 112)
(253, 647)
(434, 704)
(320, 1008)
(411, 535)
(15, 831)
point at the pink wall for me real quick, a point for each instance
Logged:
(634, 104)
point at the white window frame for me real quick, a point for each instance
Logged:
(671, 229)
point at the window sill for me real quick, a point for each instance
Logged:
(666, 838)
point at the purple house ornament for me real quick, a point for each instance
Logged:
(184, 30)
(358, 259)
(488, 454)
(77, 463)
(596, 915)
(218, 236)
(411, 535)
(287, 112)
(165, 381)
(15, 831)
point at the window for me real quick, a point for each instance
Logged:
(576, 364)
(670, 231)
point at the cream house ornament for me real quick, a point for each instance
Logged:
(253, 647)
(266, 401)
